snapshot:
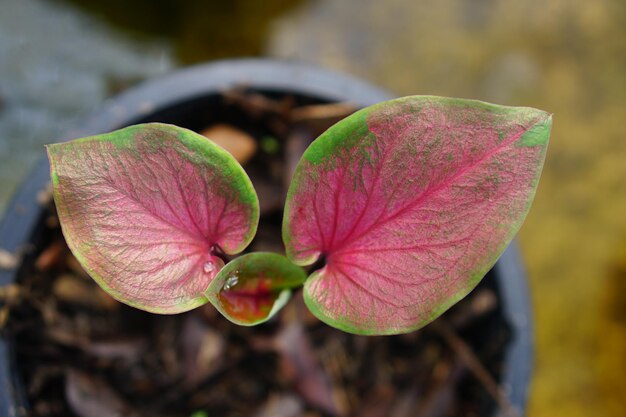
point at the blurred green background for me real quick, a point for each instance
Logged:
(59, 60)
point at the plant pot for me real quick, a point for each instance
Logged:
(193, 98)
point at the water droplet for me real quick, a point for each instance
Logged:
(231, 281)
(208, 267)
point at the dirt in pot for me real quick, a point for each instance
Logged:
(81, 353)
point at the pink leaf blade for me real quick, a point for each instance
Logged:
(250, 289)
(411, 202)
(144, 207)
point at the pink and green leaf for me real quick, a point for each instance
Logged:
(410, 202)
(146, 210)
(252, 288)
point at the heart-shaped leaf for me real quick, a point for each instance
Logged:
(147, 208)
(410, 202)
(251, 288)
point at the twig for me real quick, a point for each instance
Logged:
(467, 355)
(439, 399)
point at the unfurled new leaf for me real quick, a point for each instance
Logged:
(146, 209)
(410, 202)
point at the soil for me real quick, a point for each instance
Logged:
(81, 353)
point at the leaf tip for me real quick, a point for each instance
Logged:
(51, 151)
(538, 134)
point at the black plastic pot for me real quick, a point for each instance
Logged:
(177, 99)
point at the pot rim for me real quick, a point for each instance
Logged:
(23, 212)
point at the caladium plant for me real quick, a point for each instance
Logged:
(401, 208)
